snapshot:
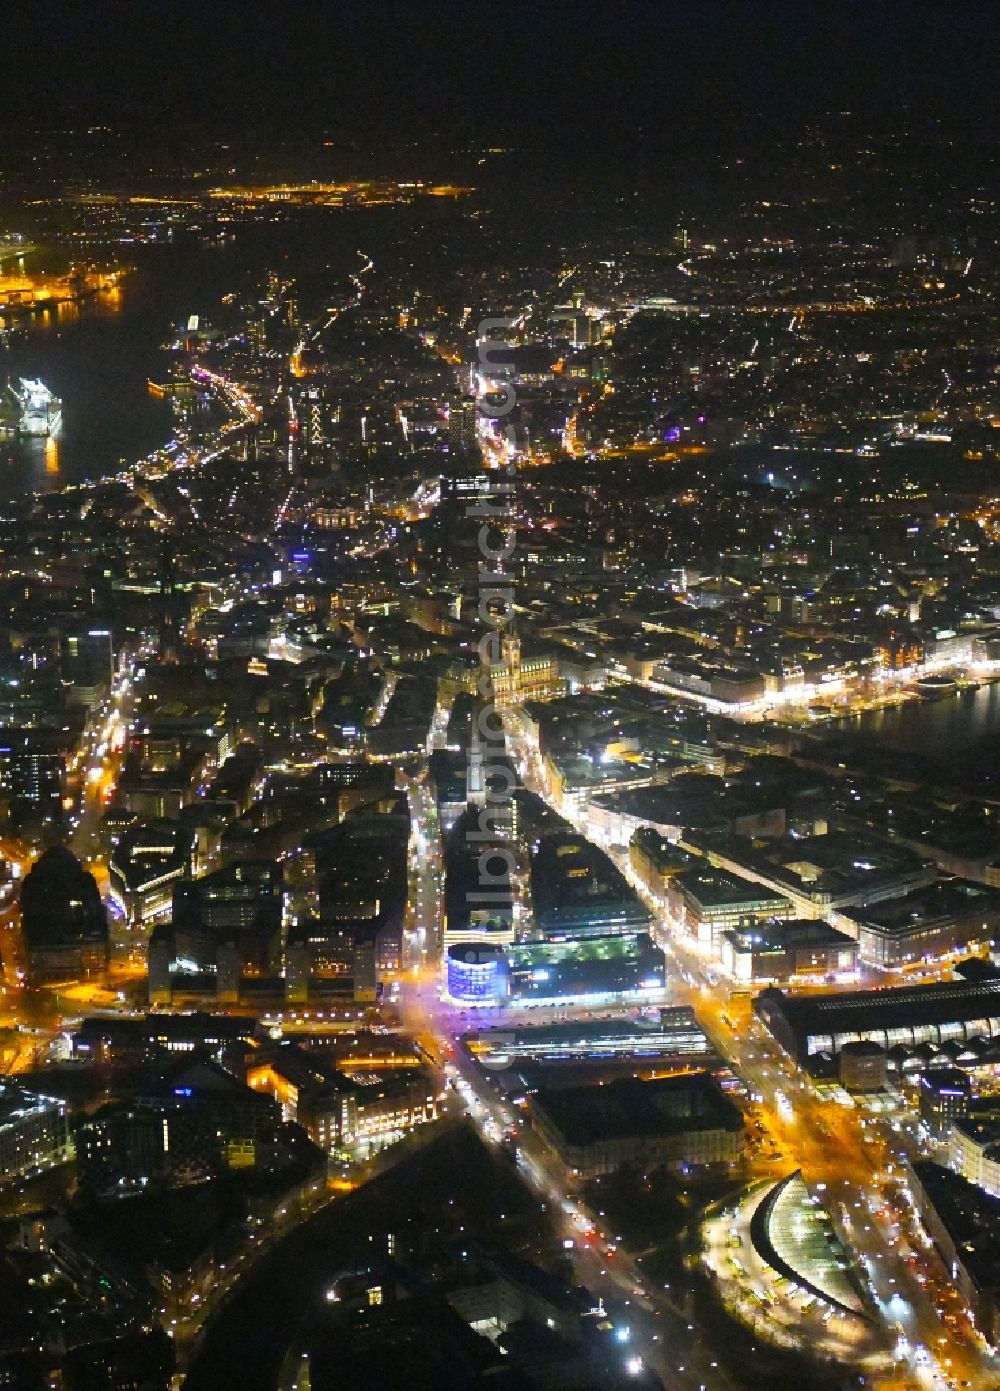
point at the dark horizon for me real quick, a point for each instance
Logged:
(562, 73)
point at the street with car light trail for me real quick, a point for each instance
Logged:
(853, 1161)
(843, 1154)
(659, 1331)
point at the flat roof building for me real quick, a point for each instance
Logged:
(103, 1039)
(944, 1098)
(597, 968)
(778, 951)
(692, 801)
(478, 890)
(952, 915)
(809, 1025)
(832, 870)
(477, 974)
(668, 1122)
(144, 867)
(963, 1221)
(578, 892)
(706, 902)
(34, 1132)
(974, 1144)
(656, 860)
(863, 1067)
(675, 1035)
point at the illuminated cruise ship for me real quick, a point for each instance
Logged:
(41, 412)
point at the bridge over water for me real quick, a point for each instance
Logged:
(12, 250)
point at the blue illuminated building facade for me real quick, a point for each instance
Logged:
(478, 974)
(612, 969)
(585, 939)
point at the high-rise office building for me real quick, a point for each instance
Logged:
(31, 773)
(463, 417)
(86, 661)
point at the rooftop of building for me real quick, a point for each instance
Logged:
(242, 879)
(60, 902)
(971, 1218)
(791, 934)
(844, 864)
(16, 1103)
(714, 888)
(56, 871)
(580, 771)
(947, 898)
(170, 712)
(903, 1006)
(149, 850)
(631, 945)
(652, 1034)
(984, 1132)
(631, 1107)
(297, 1065)
(945, 1081)
(569, 872)
(417, 1344)
(197, 1027)
(664, 854)
(237, 773)
(137, 775)
(476, 953)
(691, 801)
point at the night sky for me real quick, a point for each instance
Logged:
(563, 75)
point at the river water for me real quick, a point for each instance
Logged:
(97, 355)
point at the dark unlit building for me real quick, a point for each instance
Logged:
(863, 1067)
(63, 922)
(672, 1122)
